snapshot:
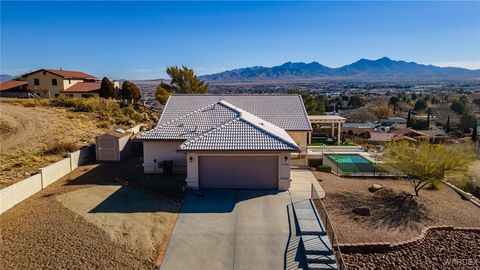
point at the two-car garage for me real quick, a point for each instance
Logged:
(243, 172)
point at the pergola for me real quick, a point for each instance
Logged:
(328, 119)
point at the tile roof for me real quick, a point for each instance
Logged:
(68, 74)
(237, 135)
(381, 137)
(285, 111)
(7, 85)
(222, 126)
(82, 87)
(193, 123)
(408, 131)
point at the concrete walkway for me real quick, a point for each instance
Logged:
(300, 187)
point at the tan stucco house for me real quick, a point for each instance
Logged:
(228, 141)
(51, 83)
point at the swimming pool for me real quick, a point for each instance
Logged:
(350, 164)
(348, 158)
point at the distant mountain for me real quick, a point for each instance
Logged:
(5, 77)
(364, 69)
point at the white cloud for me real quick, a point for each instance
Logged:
(462, 64)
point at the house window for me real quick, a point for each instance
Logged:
(70, 95)
(36, 81)
(54, 81)
(44, 73)
(69, 81)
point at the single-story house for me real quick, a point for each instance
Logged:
(395, 135)
(359, 129)
(228, 141)
(81, 89)
(393, 121)
(14, 88)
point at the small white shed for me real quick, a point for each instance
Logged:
(113, 145)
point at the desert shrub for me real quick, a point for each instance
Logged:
(107, 109)
(60, 148)
(324, 168)
(33, 102)
(103, 124)
(465, 182)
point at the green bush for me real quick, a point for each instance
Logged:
(324, 168)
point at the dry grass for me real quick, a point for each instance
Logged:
(41, 135)
(467, 181)
(60, 148)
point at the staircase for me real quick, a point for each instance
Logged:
(318, 248)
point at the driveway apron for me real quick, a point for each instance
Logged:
(230, 229)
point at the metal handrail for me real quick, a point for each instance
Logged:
(322, 213)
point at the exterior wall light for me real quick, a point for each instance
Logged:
(190, 158)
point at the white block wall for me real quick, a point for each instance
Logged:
(55, 171)
(18, 192)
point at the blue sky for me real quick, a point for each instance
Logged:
(139, 40)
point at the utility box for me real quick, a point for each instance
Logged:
(113, 145)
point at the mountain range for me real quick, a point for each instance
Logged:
(383, 69)
(5, 77)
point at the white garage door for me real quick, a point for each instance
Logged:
(247, 172)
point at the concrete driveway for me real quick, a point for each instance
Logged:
(230, 229)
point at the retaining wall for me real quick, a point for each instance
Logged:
(19, 191)
(55, 171)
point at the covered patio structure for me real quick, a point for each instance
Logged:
(333, 120)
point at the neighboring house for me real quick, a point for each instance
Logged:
(395, 135)
(359, 129)
(82, 89)
(228, 141)
(51, 82)
(410, 133)
(393, 121)
(14, 88)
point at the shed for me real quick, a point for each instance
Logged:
(113, 145)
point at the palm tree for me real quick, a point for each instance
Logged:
(183, 81)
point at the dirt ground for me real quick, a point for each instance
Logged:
(27, 131)
(86, 221)
(392, 219)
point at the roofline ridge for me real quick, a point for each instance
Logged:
(304, 110)
(187, 114)
(227, 123)
(210, 94)
(262, 129)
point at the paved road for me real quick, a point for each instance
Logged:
(230, 229)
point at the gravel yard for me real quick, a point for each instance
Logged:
(86, 221)
(441, 249)
(391, 220)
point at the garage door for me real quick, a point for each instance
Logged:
(248, 172)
